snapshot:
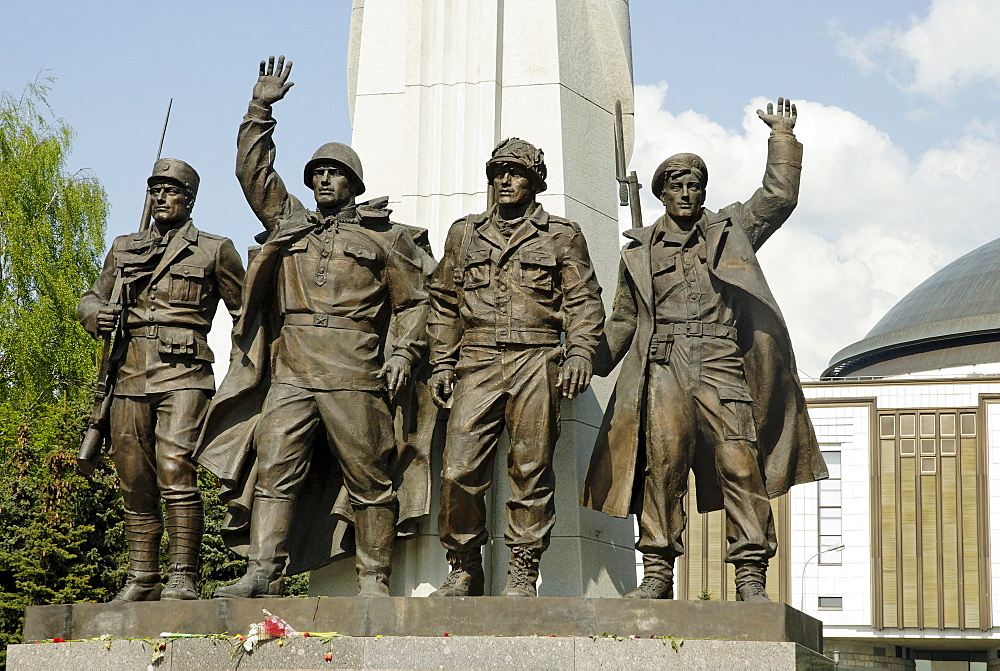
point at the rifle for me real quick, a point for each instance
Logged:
(628, 186)
(97, 426)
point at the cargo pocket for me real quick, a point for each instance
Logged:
(538, 269)
(737, 414)
(477, 269)
(176, 341)
(186, 283)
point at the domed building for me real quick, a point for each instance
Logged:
(951, 320)
(898, 553)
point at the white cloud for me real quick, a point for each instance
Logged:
(872, 222)
(953, 46)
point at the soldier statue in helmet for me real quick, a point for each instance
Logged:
(302, 424)
(172, 276)
(516, 315)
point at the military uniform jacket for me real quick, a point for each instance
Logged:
(171, 289)
(786, 439)
(527, 290)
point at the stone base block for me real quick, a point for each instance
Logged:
(408, 652)
(434, 617)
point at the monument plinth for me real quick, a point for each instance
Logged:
(484, 632)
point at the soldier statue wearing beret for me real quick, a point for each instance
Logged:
(172, 277)
(512, 282)
(708, 381)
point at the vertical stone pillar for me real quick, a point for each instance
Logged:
(434, 86)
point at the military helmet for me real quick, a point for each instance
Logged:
(516, 150)
(338, 153)
(177, 171)
(677, 163)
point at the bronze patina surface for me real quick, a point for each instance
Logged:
(301, 432)
(171, 277)
(708, 380)
(513, 281)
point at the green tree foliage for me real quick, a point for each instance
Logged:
(61, 538)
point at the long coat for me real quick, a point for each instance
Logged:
(321, 529)
(786, 439)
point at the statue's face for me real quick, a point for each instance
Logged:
(332, 185)
(171, 202)
(684, 196)
(513, 185)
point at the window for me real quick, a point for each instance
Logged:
(831, 603)
(831, 510)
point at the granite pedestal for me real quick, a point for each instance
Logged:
(484, 632)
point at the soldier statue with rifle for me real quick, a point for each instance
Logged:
(156, 297)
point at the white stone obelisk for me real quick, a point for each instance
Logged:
(434, 85)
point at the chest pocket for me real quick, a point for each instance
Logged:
(477, 269)
(187, 284)
(361, 253)
(538, 269)
(665, 265)
(298, 246)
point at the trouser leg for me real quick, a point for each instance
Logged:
(474, 429)
(671, 432)
(729, 431)
(133, 452)
(532, 418)
(360, 434)
(283, 438)
(179, 415)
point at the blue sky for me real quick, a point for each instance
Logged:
(898, 114)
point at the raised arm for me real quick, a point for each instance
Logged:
(771, 205)
(263, 188)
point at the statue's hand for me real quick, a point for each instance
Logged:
(574, 378)
(106, 318)
(782, 121)
(442, 383)
(272, 84)
(396, 372)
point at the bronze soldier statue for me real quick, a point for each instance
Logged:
(708, 381)
(512, 281)
(318, 300)
(173, 276)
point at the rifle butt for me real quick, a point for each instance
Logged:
(90, 451)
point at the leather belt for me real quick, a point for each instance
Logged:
(153, 330)
(697, 329)
(327, 321)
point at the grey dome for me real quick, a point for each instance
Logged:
(951, 319)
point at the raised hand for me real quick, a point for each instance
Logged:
(782, 121)
(272, 84)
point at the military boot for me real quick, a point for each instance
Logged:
(374, 534)
(185, 525)
(270, 522)
(142, 532)
(466, 577)
(522, 573)
(657, 579)
(750, 580)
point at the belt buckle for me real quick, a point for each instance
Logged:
(321, 320)
(694, 329)
(153, 331)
